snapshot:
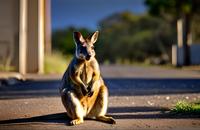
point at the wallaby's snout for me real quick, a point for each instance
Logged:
(88, 56)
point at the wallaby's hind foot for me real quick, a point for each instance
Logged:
(106, 119)
(76, 121)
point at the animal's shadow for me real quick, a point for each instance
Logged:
(51, 118)
(142, 112)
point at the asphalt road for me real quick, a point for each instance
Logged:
(140, 98)
(117, 87)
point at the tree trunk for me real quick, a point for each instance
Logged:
(186, 39)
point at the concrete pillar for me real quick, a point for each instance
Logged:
(180, 32)
(184, 38)
(25, 30)
(32, 37)
(47, 42)
(22, 36)
(36, 36)
(177, 55)
(41, 35)
(174, 55)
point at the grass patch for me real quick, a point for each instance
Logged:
(56, 63)
(183, 107)
(6, 68)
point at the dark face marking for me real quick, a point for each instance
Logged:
(85, 51)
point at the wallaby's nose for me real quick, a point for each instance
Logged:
(88, 56)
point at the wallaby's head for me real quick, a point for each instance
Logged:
(85, 47)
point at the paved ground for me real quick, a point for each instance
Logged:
(140, 98)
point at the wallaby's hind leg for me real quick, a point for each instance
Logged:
(100, 107)
(73, 107)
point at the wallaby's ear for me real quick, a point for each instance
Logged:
(78, 38)
(94, 37)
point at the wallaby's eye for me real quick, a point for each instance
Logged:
(92, 47)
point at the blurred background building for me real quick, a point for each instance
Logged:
(25, 35)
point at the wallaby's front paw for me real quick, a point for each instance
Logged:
(84, 91)
(90, 93)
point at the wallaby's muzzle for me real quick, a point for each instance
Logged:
(88, 57)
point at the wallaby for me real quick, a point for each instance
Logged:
(83, 92)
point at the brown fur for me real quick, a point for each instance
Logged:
(83, 92)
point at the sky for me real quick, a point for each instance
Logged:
(87, 13)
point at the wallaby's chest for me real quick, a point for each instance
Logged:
(86, 73)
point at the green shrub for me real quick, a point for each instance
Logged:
(184, 107)
(56, 63)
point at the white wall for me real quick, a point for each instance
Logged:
(9, 31)
(177, 55)
(195, 54)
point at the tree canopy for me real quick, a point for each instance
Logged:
(183, 11)
(124, 37)
(173, 7)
